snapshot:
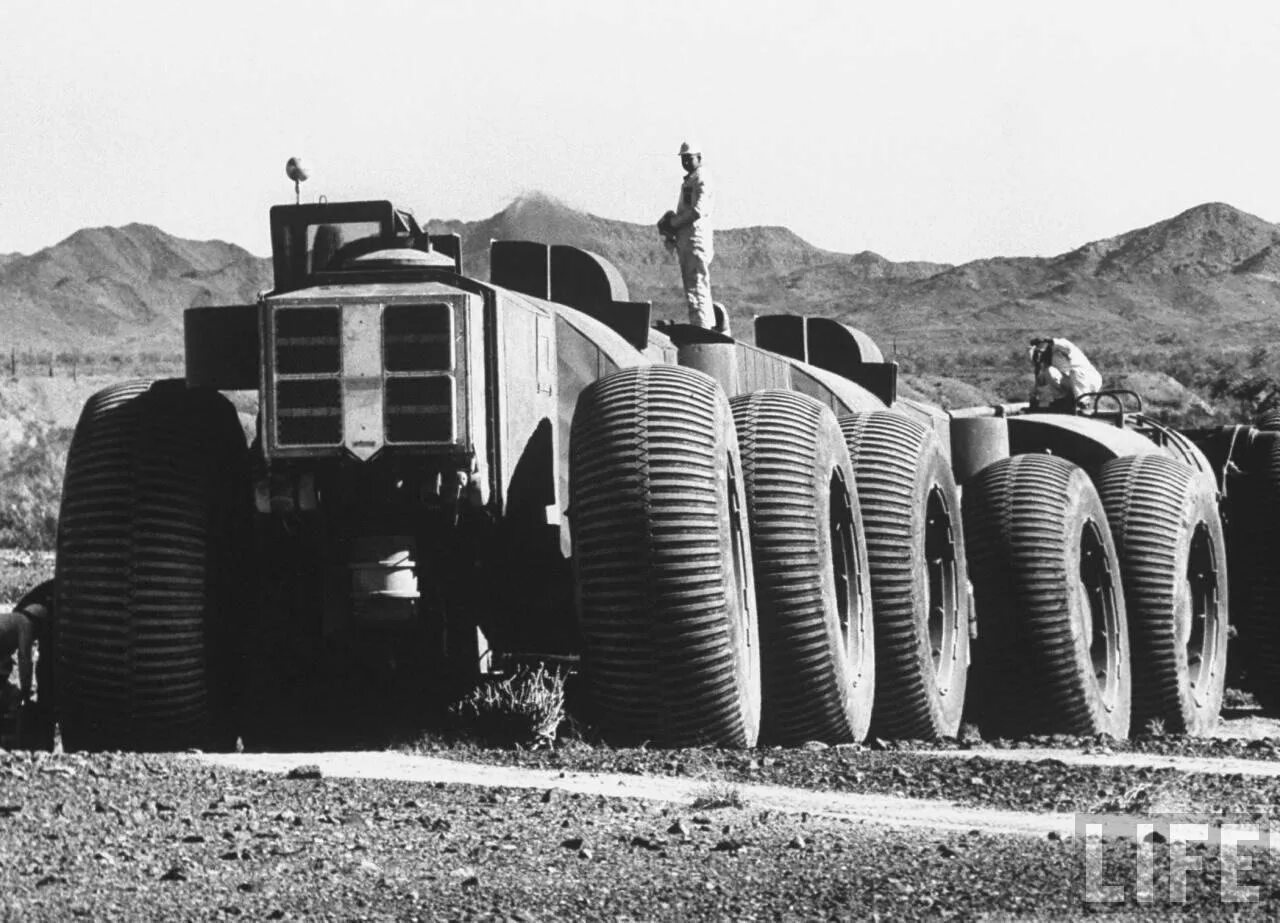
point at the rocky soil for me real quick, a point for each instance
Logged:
(113, 836)
(1046, 784)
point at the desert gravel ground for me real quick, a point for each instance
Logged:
(717, 834)
(1044, 782)
(931, 814)
(111, 836)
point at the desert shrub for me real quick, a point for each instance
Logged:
(525, 708)
(718, 793)
(31, 488)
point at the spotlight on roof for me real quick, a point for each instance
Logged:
(296, 171)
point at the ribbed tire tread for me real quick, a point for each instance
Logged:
(1253, 505)
(792, 449)
(1269, 420)
(1155, 505)
(670, 655)
(1024, 518)
(897, 464)
(132, 640)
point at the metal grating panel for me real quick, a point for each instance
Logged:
(418, 338)
(308, 341)
(309, 412)
(329, 361)
(421, 390)
(420, 409)
(307, 348)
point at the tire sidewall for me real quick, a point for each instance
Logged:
(1202, 510)
(935, 479)
(1083, 510)
(831, 460)
(741, 612)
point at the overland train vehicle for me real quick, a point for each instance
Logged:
(733, 542)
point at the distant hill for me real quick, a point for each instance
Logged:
(1208, 275)
(1211, 270)
(1187, 275)
(120, 288)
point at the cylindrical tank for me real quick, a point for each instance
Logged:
(384, 585)
(977, 442)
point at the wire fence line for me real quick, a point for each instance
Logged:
(26, 361)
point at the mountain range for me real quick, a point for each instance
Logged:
(1209, 274)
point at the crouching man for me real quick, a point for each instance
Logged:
(1063, 374)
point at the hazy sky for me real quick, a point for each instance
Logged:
(922, 130)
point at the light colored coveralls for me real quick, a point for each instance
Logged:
(695, 248)
(1066, 376)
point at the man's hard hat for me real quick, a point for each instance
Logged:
(690, 147)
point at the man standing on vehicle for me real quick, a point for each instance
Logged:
(688, 230)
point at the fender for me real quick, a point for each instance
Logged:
(741, 368)
(222, 347)
(1083, 441)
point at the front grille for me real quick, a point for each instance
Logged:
(309, 412)
(331, 362)
(418, 337)
(420, 409)
(417, 343)
(307, 346)
(308, 341)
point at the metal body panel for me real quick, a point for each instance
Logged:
(522, 266)
(821, 341)
(584, 280)
(830, 345)
(721, 362)
(530, 348)
(525, 392)
(837, 392)
(981, 436)
(660, 349)
(362, 379)
(1085, 442)
(221, 347)
(741, 368)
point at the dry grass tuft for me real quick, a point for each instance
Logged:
(719, 793)
(523, 709)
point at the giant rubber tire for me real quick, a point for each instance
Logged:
(153, 528)
(662, 561)
(1172, 552)
(1253, 511)
(911, 515)
(817, 656)
(1269, 420)
(1031, 522)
